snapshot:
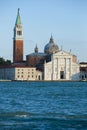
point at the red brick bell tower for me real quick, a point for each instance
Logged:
(18, 41)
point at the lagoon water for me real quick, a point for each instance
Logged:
(43, 105)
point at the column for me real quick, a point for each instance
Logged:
(65, 76)
(57, 68)
(45, 70)
(70, 66)
(52, 67)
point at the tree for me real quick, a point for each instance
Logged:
(3, 62)
(8, 62)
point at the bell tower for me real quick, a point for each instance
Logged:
(18, 40)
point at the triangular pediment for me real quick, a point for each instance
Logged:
(62, 53)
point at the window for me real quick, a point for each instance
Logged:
(19, 33)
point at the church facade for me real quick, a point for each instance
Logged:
(62, 67)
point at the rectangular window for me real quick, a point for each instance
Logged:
(19, 33)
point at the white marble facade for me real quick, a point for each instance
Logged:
(63, 66)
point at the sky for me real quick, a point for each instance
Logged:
(66, 20)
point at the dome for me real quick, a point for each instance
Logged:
(51, 47)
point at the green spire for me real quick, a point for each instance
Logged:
(18, 20)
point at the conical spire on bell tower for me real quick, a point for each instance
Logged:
(18, 32)
(18, 19)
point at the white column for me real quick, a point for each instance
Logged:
(45, 70)
(57, 68)
(52, 67)
(70, 66)
(65, 68)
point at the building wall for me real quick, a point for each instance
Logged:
(7, 73)
(74, 59)
(38, 75)
(61, 67)
(20, 73)
(18, 51)
(83, 71)
(32, 60)
(83, 75)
